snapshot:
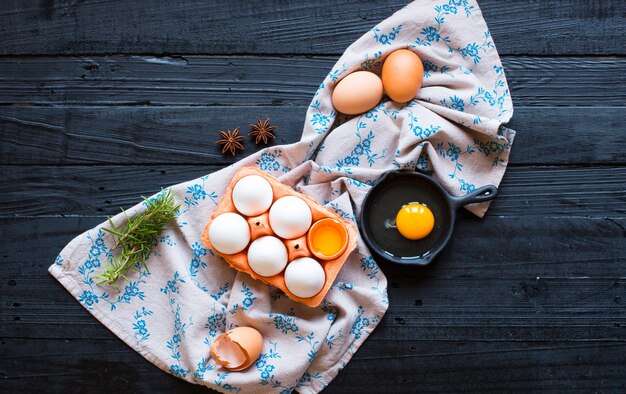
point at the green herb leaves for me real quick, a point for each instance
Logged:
(137, 236)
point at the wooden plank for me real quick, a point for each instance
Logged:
(186, 134)
(287, 27)
(133, 135)
(523, 279)
(466, 366)
(259, 81)
(103, 190)
(401, 366)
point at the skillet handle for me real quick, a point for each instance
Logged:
(482, 194)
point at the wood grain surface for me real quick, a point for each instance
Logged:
(520, 27)
(263, 81)
(187, 134)
(102, 101)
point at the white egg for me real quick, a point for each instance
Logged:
(267, 256)
(229, 233)
(304, 277)
(252, 195)
(290, 217)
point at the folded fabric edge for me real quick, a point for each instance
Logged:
(71, 286)
(481, 209)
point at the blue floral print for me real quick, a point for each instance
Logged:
(177, 370)
(202, 368)
(337, 72)
(131, 290)
(174, 344)
(386, 38)
(361, 323)
(222, 290)
(284, 323)
(171, 286)
(307, 378)
(494, 148)
(453, 153)
(166, 239)
(216, 322)
(332, 311)
(361, 183)
(268, 161)
(310, 339)
(419, 131)
(88, 298)
(369, 266)
(140, 326)
(431, 67)
(321, 122)
(362, 149)
(472, 49)
(330, 340)
(335, 207)
(220, 381)
(249, 298)
(264, 365)
(371, 62)
(197, 192)
(494, 97)
(455, 103)
(466, 186)
(171, 289)
(196, 263)
(422, 163)
(342, 286)
(432, 34)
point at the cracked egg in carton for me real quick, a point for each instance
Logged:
(279, 236)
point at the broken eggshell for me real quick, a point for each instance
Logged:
(238, 348)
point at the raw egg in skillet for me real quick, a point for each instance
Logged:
(388, 211)
(415, 221)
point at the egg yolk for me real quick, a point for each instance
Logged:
(415, 221)
(327, 241)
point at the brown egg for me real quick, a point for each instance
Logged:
(403, 73)
(357, 93)
(238, 348)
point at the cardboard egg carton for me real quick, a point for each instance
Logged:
(296, 248)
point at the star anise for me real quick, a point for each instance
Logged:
(231, 141)
(262, 131)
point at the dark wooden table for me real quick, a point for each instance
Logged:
(102, 101)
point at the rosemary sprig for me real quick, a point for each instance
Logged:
(136, 238)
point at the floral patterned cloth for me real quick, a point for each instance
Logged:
(453, 128)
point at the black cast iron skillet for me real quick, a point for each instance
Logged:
(397, 188)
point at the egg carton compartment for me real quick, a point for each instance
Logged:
(296, 248)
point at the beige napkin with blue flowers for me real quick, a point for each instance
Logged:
(453, 128)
